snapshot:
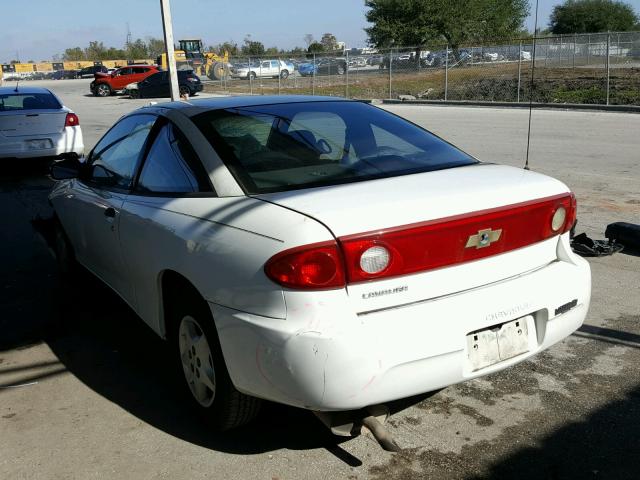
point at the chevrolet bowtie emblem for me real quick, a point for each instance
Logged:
(483, 238)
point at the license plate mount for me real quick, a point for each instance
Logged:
(498, 343)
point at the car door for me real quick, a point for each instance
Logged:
(265, 69)
(91, 213)
(121, 79)
(170, 175)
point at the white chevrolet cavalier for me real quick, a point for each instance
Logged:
(318, 252)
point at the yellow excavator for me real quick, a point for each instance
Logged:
(190, 55)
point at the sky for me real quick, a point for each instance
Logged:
(38, 29)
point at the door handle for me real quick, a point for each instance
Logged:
(110, 212)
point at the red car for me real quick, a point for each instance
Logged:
(107, 84)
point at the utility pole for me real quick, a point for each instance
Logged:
(168, 46)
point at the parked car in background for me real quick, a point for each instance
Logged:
(318, 252)
(88, 72)
(324, 66)
(263, 68)
(35, 123)
(158, 85)
(64, 74)
(108, 84)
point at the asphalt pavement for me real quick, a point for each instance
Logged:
(84, 390)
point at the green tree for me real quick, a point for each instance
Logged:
(315, 47)
(420, 22)
(73, 54)
(95, 51)
(252, 47)
(155, 47)
(592, 16)
(137, 49)
(229, 46)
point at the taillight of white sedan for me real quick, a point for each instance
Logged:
(35, 123)
(318, 252)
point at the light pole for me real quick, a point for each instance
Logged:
(168, 45)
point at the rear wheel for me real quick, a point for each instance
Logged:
(184, 90)
(199, 358)
(284, 74)
(251, 76)
(103, 90)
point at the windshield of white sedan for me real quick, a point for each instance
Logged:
(273, 148)
(29, 101)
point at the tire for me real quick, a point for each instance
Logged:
(135, 93)
(102, 90)
(284, 74)
(200, 364)
(341, 69)
(251, 76)
(184, 90)
(65, 256)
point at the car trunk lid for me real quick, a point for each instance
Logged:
(31, 122)
(431, 204)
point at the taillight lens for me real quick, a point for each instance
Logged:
(459, 239)
(71, 120)
(425, 246)
(311, 267)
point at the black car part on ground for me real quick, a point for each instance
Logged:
(586, 247)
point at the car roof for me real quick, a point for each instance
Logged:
(25, 89)
(196, 106)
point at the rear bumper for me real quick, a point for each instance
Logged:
(68, 141)
(326, 357)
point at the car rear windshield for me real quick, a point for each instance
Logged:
(274, 148)
(28, 101)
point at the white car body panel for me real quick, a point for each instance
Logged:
(334, 349)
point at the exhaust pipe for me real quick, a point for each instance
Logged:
(350, 423)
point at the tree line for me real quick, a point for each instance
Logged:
(415, 22)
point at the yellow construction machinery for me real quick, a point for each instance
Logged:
(190, 55)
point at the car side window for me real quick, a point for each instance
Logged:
(274, 63)
(114, 159)
(172, 166)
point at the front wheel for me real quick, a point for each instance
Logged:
(284, 74)
(103, 90)
(184, 90)
(200, 359)
(251, 75)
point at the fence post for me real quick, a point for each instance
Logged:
(575, 39)
(588, 49)
(346, 77)
(390, 67)
(313, 77)
(608, 65)
(446, 73)
(279, 76)
(519, 70)
(250, 76)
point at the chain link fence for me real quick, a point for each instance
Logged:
(584, 69)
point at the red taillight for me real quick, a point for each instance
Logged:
(458, 239)
(424, 246)
(317, 266)
(71, 120)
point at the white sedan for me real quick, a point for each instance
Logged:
(318, 252)
(35, 123)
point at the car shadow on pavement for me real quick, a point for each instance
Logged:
(602, 445)
(100, 340)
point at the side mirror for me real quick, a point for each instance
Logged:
(66, 169)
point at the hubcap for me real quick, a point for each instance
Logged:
(197, 361)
